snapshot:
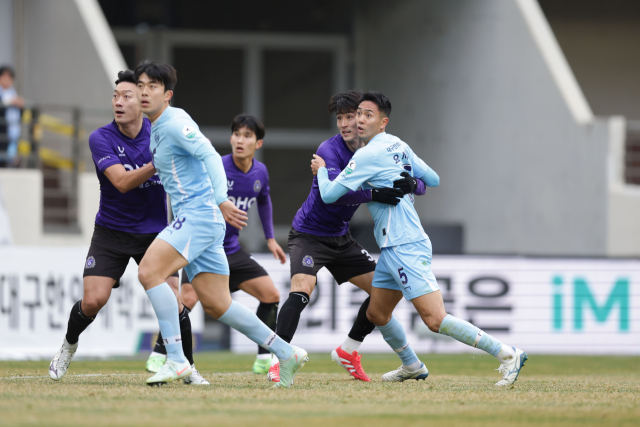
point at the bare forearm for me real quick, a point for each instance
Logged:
(133, 179)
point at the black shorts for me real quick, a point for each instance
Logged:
(242, 267)
(342, 255)
(110, 251)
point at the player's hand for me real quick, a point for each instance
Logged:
(276, 250)
(234, 216)
(317, 163)
(389, 196)
(407, 184)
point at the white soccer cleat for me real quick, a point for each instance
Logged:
(60, 363)
(401, 374)
(170, 371)
(195, 378)
(511, 368)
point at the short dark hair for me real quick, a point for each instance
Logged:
(383, 103)
(164, 74)
(7, 69)
(346, 102)
(126, 76)
(252, 123)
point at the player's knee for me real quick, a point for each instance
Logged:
(378, 319)
(145, 275)
(270, 296)
(433, 322)
(91, 304)
(190, 299)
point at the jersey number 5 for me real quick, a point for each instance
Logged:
(403, 277)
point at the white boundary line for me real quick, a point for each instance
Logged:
(555, 60)
(117, 375)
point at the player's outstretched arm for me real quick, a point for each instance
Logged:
(330, 191)
(409, 184)
(125, 180)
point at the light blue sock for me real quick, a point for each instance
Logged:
(245, 321)
(393, 333)
(471, 335)
(165, 305)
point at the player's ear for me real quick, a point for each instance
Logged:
(385, 122)
(168, 95)
(259, 143)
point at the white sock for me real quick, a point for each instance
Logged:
(350, 345)
(264, 356)
(506, 353)
(413, 367)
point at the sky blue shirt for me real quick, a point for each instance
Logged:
(189, 167)
(378, 165)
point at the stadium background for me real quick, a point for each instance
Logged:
(529, 111)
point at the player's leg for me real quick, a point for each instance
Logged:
(246, 274)
(159, 354)
(105, 264)
(385, 295)
(159, 262)
(214, 295)
(355, 265)
(307, 255)
(264, 290)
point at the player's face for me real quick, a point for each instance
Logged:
(244, 143)
(370, 120)
(152, 95)
(347, 125)
(126, 103)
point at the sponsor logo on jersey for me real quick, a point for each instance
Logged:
(229, 185)
(307, 261)
(350, 167)
(257, 186)
(243, 203)
(91, 262)
(103, 159)
(157, 137)
(189, 132)
(121, 150)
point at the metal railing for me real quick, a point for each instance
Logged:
(52, 140)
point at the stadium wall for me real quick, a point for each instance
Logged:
(523, 166)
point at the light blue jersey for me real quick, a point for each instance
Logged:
(192, 174)
(179, 152)
(378, 165)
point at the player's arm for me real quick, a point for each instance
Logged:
(196, 144)
(422, 171)
(333, 169)
(265, 210)
(108, 162)
(409, 184)
(125, 180)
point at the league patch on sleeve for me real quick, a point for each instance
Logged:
(350, 167)
(189, 132)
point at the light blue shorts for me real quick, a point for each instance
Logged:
(406, 268)
(199, 239)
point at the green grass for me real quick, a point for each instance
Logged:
(551, 391)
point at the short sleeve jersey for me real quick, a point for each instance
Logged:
(244, 189)
(378, 165)
(141, 210)
(316, 217)
(175, 137)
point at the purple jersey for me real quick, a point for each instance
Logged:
(244, 189)
(316, 217)
(141, 210)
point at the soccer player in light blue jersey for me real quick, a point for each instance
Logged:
(192, 174)
(404, 267)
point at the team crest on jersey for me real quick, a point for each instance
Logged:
(157, 138)
(350, 167)
(189, 132)
(307, 261)
(257, 186)
(91, 262)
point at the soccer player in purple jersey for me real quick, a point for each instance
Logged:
(132, 212)
(247, 183)
(320, 237)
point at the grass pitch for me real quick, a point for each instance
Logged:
(551, 390)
